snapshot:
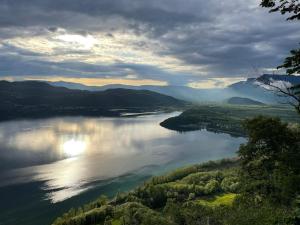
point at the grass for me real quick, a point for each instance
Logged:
(219, 200)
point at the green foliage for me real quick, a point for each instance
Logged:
(248, 212)
(284, 6)
(219, 200)
(134, 213)
(212, 186)
(93, 216)
(94, 211)
(292, 63)
(270, 160)
(202, 178)
(230, 184)
(160, 200)
(175, 175)
(116, 222)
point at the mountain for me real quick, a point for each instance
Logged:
(79, 86)
(40, 99)
(244, 89)
(252, 88)
(71, 85)
(180, 92)
(243, 101)
(294, 80)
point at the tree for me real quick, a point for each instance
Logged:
(290, 93)
(284, 6)
(291, 63)
(291, 7)
(270, 166)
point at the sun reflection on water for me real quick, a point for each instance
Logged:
(73, 147)
(70, 154)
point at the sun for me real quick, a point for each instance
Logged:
(73, 148)
(76, 40)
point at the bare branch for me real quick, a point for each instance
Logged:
(283, 90)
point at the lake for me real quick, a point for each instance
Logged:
(49, 165)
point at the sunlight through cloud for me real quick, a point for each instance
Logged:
(86, 42)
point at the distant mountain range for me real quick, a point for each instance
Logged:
(39, 99)
(179, 92)
(294, 80)
(244, 89)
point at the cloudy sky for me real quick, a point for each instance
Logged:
(197, 43)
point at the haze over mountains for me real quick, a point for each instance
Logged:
(246, 89)
(41, 99)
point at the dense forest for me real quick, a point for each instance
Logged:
(259, 187)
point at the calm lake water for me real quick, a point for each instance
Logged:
(50, 165)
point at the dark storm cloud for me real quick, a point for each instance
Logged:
(226, 38)
(89, 14)
(21, 66)
(235, 47)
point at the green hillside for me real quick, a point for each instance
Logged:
(226, 118)
(206, 186)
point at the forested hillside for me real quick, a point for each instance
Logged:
(34, 99)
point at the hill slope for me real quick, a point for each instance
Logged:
(203, 187)
(202, 194)
(39, 99)
(251, 88)
(243, 101)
